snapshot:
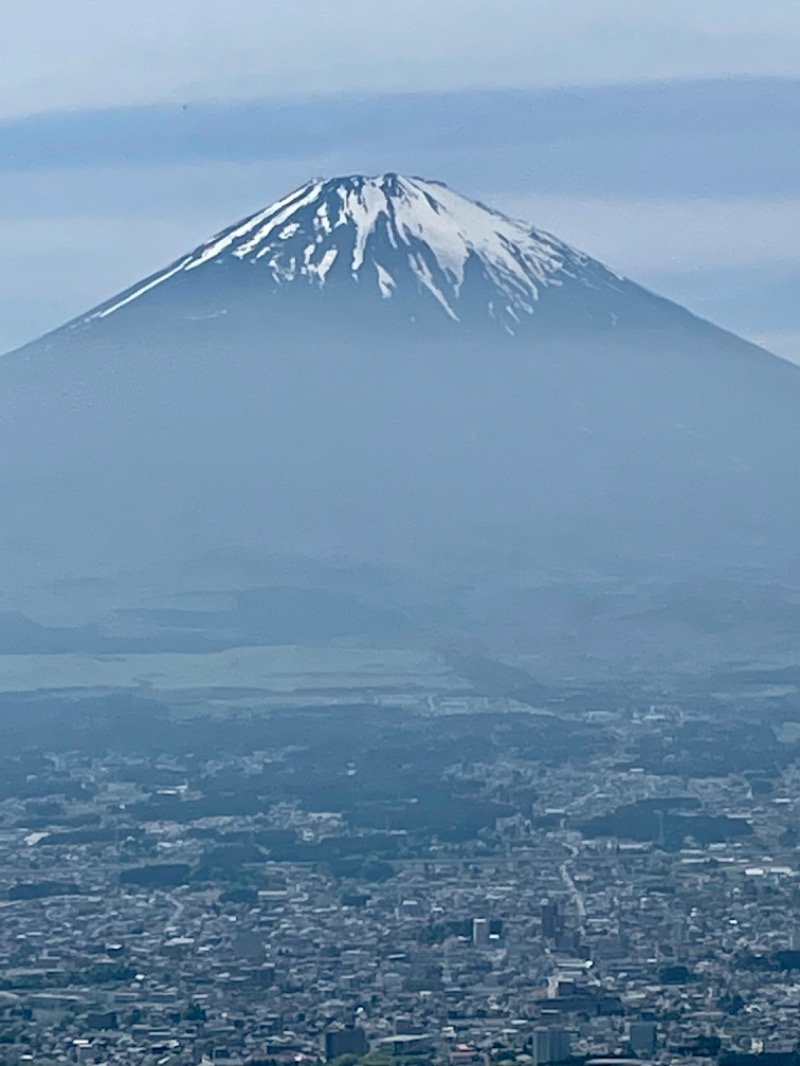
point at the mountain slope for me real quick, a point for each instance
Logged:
(379, 368)
(411, 245)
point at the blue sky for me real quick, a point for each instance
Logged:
(663, 139)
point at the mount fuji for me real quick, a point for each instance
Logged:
(422, 251)
(381, 369)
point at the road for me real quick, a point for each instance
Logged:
(572, 888)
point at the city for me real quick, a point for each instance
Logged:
(470, 882)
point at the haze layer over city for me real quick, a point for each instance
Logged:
(399, 580)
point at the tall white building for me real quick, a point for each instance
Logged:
(549, 1045)
(480, 932)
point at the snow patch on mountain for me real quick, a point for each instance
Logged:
(390, 231)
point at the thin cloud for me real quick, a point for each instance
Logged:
(712, 139)
(86, 54)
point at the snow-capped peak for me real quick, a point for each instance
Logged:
(388, 232)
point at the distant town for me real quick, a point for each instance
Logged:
(438, 879)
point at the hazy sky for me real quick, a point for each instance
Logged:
(660, 138)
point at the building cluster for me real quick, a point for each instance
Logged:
(538, 941)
